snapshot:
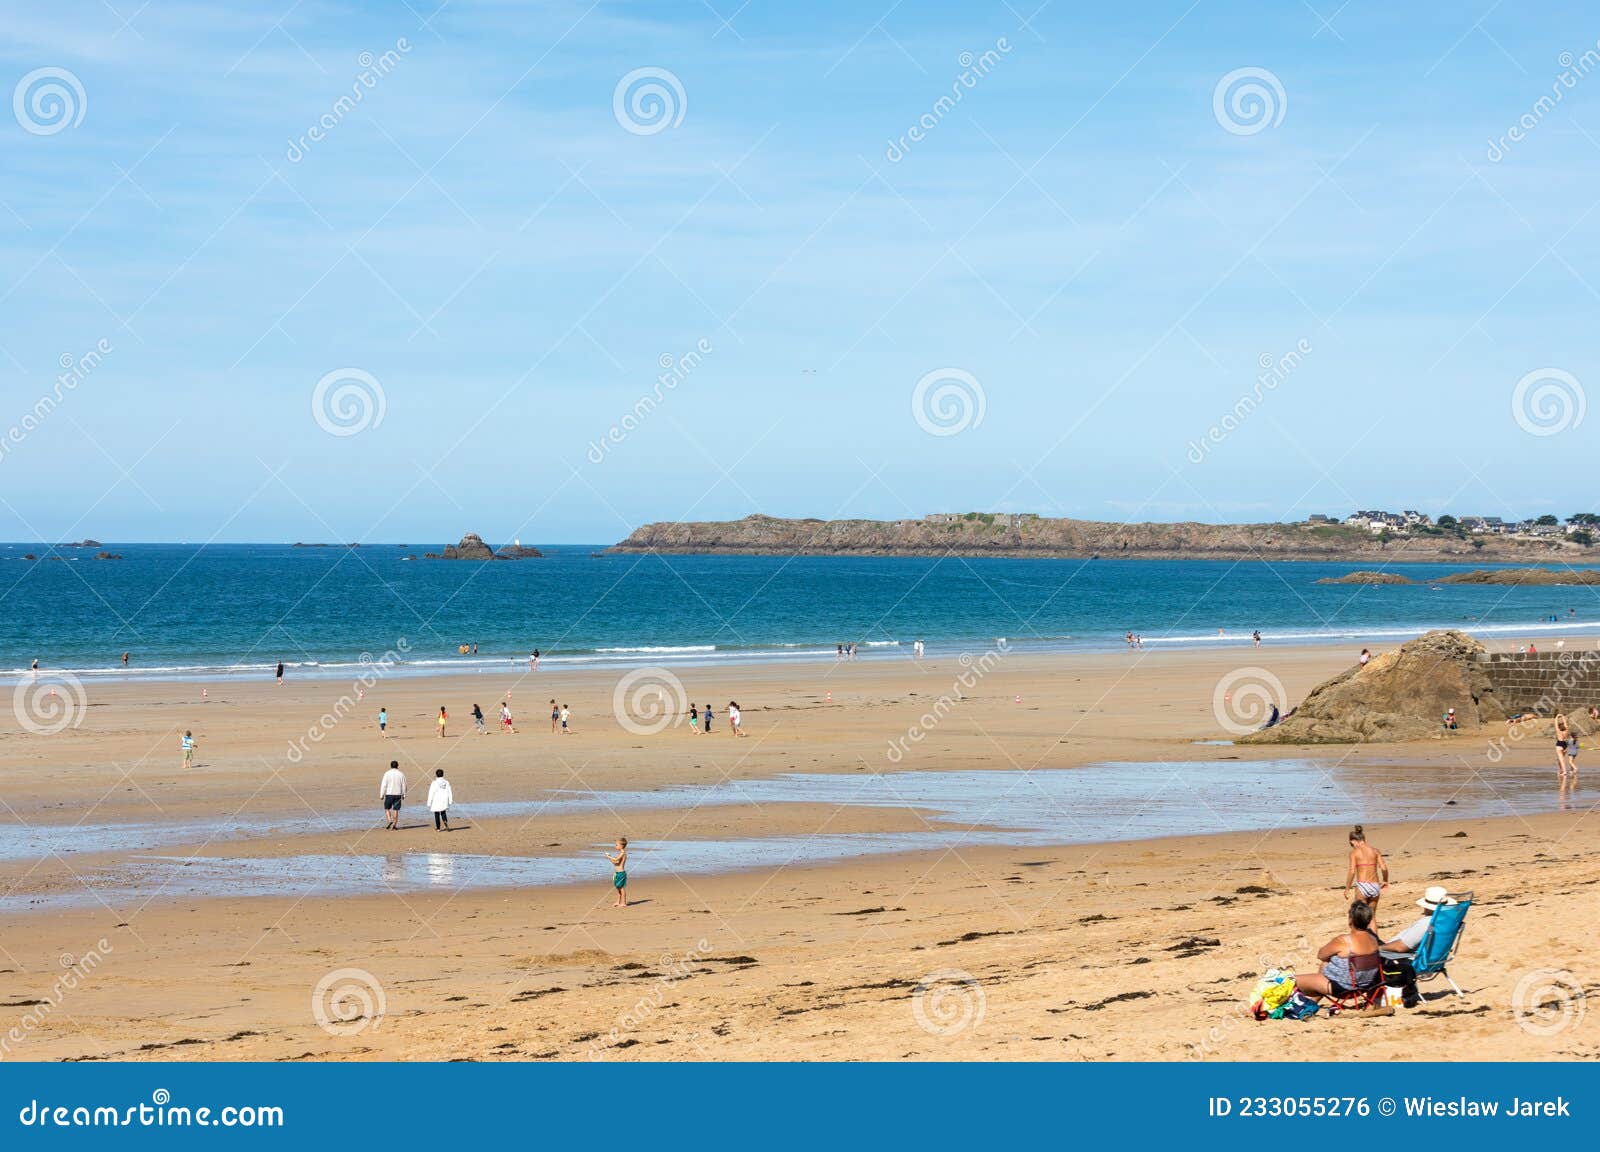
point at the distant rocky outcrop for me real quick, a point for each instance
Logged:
(1399, 695)
(81, 544)
(1004, 534)
(1515, 576)
(1367, 578)
(472, 547)
(108, 555)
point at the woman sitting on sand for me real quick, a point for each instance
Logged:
(1350, 960)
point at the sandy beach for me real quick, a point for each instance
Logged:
(1130, 949)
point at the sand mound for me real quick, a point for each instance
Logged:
(1399, 695)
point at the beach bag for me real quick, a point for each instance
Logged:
(1271, 992)
(1299, 1007)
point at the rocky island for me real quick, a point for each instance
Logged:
(1520, 576)
(1365, 577)
(472, 547)
(1012, 534)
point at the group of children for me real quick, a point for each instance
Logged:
(735, 718)
(560, 719)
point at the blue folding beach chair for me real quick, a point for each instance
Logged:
(1438, 947)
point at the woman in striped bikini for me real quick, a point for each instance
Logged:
(1369, 871)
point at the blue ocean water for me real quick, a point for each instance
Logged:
(238, 609)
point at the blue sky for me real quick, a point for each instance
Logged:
(1081, 238)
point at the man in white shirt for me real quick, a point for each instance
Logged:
(392, 791)
(1397, 953)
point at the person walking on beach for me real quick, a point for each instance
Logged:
(533, 661)
(694, 718)
(392, 790)
(383, 722)
(1368, 874)
(505, 717)
(1365, 656)
(734, 719)
(1255, 638)
(439, 800)
(619, 877)
(708, 718)
(555, 716)
(1564, 739)
(188, 749)
(443, 717)
(280, 671)
(566, 714)
(477, 721)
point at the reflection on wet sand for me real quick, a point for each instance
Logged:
(1119, 801)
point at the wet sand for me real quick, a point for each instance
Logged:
(1121, 950)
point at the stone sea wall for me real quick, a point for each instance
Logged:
(1544, 682)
